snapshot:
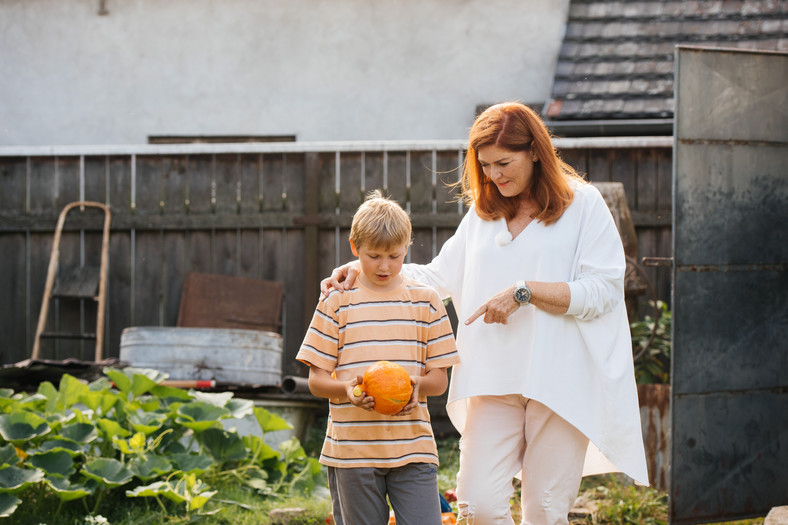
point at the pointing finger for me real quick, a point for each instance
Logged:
(475, 315)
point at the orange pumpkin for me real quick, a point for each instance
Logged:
(389, 384)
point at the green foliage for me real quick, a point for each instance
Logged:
(653, 367)
(621, 503)
(131, 438)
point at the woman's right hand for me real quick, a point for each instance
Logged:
(341, 279)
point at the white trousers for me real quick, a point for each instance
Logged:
(504, 435)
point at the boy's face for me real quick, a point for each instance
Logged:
(380, 266)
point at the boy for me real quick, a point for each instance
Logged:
(383, 317)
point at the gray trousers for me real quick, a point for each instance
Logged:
(358, 495)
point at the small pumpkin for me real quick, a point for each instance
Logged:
(389, 384)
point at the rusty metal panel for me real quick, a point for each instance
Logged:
(655, 418)
(225, 301)
(729, 394)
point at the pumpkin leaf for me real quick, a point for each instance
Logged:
(259, 449)
(8, 505)
(48, 390)
(110, 427)
(200, 416)
(158, 488)
(137, 442)
(34, 402)
(58, 463)
(15, 479)
(257, 479)
(191, 463)
(122, 445)
(135, 445)
(292, 450)
(148, 403)
(72, 448)
(79, 432)
(100, 402)
(169, 393)
(150, 467)
(224, 445)
(270, 422)
(65, 490)
(197, 502)
(20, 427)
(102, 384)
(240, 408)
(185, 490)
(8, 455)
(107, 471)
(122, 381)
(70, 390)
(135, 381)
(304, 481)
(146, 422)
(144, 379)
(217, 399)
(6, 402)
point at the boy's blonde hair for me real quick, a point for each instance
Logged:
(380, 223)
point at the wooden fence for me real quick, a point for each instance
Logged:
(269, 211)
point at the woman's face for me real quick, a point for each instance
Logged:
(510, 171)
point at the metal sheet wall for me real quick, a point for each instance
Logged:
(730, 313)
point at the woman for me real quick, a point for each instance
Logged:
(546, 381)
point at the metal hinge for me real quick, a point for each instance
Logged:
(657, 261)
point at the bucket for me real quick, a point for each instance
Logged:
(225, 355)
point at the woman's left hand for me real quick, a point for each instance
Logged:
(497, 309)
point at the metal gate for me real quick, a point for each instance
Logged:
(730, 297)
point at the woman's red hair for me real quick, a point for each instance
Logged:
(516, 127)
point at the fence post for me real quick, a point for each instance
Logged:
(313, 164)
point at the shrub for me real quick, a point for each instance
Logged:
(653, 366)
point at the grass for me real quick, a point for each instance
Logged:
(610, 499)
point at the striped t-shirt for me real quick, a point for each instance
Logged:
(352, 330)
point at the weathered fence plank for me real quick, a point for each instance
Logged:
(268, 213)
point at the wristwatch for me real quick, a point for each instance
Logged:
(522, 294)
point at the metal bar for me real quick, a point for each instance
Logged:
(769, 267)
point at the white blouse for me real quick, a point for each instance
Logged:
(579, 364)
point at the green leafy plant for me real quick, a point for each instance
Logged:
(127, 434)
(653, 366)
(622, 503)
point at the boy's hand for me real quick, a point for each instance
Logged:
(414, 398)
(361, 401)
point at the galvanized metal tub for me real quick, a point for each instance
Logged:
(225, 355)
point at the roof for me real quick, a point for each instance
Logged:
(616, 61)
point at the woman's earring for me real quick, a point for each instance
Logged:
(534, 158)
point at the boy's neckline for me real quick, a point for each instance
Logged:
(396, 284)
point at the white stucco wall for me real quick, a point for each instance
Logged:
(317, 69)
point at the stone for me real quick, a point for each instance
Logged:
(777, 516)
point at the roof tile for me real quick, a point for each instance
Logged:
(616, 61)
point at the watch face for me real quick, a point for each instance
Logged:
(522, 295)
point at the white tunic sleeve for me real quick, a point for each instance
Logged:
(597, 285)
